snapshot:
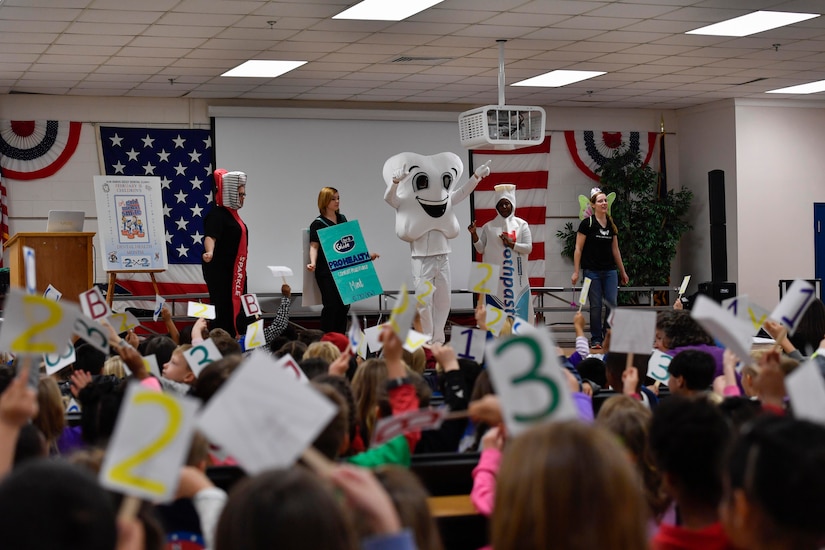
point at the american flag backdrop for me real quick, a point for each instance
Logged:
(529, 169)
(182, 159)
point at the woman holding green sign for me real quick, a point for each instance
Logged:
(334, 313)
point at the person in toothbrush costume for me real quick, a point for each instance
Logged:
(423, 190)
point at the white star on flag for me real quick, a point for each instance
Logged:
(196, 183)
(196, 210)
(182, 223)
(180, 169)
(163, 156)
(116, 139)
(133, 155)
(147, 141)
(182, 251)
(195, 156)
(150, 169)
(181, 196)
(119, 167)
(179, 141)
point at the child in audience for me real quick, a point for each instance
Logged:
(628, 380)
(774, 484)
(409, 497)
(51, 418)
(177, 374)
(691, 373)
(689, 439)
(568, 485)
(630, 420)
(294, 510)
(325, 350)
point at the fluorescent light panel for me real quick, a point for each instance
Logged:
(753, 23)
(809, 88)
(386, 10)
(263, 68)
(556, 79)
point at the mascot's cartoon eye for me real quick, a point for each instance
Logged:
(447, 181)
(421, 181)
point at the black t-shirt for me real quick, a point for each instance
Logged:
(321, 266)
(597, 253)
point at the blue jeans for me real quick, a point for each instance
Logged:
(604, 287)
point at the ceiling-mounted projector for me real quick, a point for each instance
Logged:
(501, 126)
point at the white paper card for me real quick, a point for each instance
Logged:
(94, 304)
(123, 322)
(585, 291)
(634, 330)
(149, 444)
(197, 309)
(52, 293)
(521, 326)
(160, 301)
(30, 266)
(200, 355)
(742, 308)
(494, 319)
(406, 422)
(264, 418)
(722, 325)
(484, 278)
(657, 366)
(372, 334)
(527, 376)
(402, 314)
(34, 325)
(280, 270)
(685, 283)
(250, 304)
(806, 389)
(58, 361)
(151, 363)
(789, 311)
(92, 332)
(468, 343)
(289, 365)
(415, 340)
(254, 335)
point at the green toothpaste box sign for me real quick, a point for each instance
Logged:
(349, 261)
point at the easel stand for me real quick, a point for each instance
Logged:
(110, 292)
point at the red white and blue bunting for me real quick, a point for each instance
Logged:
(34, 149)
(590, 149)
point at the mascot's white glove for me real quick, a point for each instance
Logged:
(399, 174)
(483, 171)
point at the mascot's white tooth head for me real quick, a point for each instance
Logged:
(425, 193)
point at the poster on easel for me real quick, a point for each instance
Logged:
(130, 223)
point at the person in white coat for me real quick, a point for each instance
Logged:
(506, 241)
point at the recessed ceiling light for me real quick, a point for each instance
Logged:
(555, 79)
(753, 23)
(386, 10)
(809, 88)
(263, 68)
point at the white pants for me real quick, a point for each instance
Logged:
(434, 314)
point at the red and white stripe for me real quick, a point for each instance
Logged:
(529, 169)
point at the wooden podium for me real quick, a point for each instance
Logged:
(63, 260)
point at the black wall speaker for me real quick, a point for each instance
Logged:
(716, 196)
(718, 253)
(718, 233)
(718, 291)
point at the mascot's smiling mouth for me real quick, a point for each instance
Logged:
(435, 209)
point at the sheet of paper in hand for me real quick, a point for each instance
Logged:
(34, 325)
(263, 417)
(527, 376)
(149, 444)
(410, 421)
(790, 309)
(633, 331)
(722, 325)
(197, 309)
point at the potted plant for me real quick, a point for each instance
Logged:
(649, 228)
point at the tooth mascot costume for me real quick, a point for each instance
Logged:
(506, 241)
(423, 190)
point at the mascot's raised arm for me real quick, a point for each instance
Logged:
(423, 190)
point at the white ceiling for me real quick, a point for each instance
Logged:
(178, 48)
